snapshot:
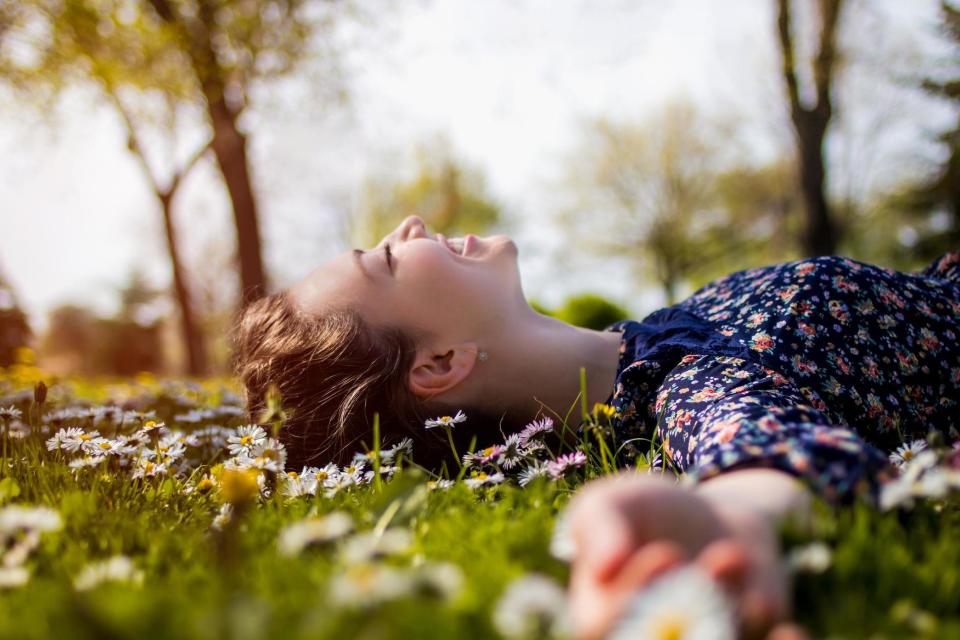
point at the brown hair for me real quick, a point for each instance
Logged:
(333, 371)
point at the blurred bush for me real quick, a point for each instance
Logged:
(587, 310)
(15, 331)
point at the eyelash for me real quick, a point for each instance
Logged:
(386, 250)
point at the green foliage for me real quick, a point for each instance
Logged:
(664, 194)
(450, 196)
(893, 574)
(587, 310)
(15, 332)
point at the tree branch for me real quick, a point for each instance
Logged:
(133, 142)
(825, 62)
(789, 63)
(186, 168)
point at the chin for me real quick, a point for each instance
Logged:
(506, 241)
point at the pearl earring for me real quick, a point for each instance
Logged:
(482, 356)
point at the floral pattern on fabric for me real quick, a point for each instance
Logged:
(814, 367)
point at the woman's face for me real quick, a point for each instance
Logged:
(433, 285)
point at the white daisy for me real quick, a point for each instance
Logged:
(10, 413)
(116, 569)
(269, 455)
(368, 584)
(11, 577)
(75, 439)
(438, 579)
(369, 545)
(562, 545)
(62, 436)
(103, 447)
(403, 448)
(567, 462)
(317, 478)
(86, 461)
(531, 606)
(536, 470)
(439, 484)
(812, 558)
(684, 604)
(247, 438)
(512, 452)
(146, 468)
(479, 479)
(18, 518)
(297, 536)
(907, 451)
(536, 429)
(223, 517)
(445, 421)
(18, 430)
(355, 471)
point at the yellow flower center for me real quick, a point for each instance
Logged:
(293, 474)
(104, 445)
(445, 419)
(482, 475)
(670, 628)
(84, 437)
(322, 475)
(907, 454)
(150, 424)
(488, 451)
(246, 440)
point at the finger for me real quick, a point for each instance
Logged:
(758, 613)
(727, 562)
(602, 537)
(646, 564)
(788, 631)
(596, 606)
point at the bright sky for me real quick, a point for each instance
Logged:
(506, 82)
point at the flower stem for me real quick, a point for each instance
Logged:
(452, 446)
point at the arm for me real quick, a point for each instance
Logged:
(776, 495)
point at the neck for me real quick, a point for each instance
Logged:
(536, 366)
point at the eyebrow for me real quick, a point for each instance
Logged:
(356, 258)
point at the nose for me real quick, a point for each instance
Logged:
(412, 226)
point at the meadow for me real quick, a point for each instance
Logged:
(148, 508)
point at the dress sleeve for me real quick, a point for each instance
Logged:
(719, 413)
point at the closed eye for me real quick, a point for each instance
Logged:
(389, 256)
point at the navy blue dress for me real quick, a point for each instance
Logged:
(817, 367)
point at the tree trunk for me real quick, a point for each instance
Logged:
(192, 337)
(810, 124)
(228, 143)
(820, 233)
(230, 148)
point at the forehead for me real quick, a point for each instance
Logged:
(335, 283)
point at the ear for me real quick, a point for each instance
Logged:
(437, 370)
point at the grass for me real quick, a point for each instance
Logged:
(893, 574)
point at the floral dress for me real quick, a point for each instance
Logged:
(818, 367)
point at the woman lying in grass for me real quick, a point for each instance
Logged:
(763, 388)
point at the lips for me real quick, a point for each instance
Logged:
(459, 246)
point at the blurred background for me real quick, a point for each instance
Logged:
(162, 162)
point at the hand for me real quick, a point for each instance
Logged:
(628, 530)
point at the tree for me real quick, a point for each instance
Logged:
(15, 331)
(935, 202)
(207, 53)
(450, 196)
(649, 192)
(766, 203)
(810, 121)
(79, 341)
